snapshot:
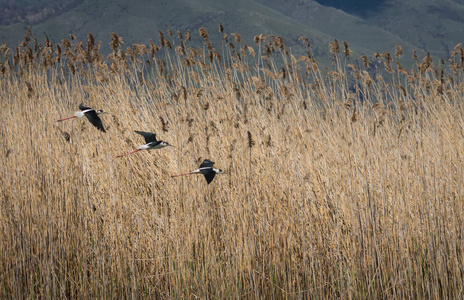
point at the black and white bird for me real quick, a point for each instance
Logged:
(91, 114)
(206, 168)
(151, 143)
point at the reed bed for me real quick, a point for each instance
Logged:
(341, 183)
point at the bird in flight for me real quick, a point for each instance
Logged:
(206, 168)
(91, 114)
(151, 143)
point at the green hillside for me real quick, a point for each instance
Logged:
(434, 26)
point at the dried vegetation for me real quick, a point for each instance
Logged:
(340, 184)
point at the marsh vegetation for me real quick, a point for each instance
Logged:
(341, 183)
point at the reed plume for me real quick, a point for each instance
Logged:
(352, 189)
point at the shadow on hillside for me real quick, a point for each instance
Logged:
(33, 12)
(357, 7)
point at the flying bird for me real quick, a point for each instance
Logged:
(206, 168)
(91, 114)
(151, 143)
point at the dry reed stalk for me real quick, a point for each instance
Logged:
(363, 204)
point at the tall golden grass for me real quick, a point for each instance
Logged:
(331, 192)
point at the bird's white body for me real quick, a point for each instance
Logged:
(151, 143)
(217, 171)
(91, 114)
(206, 168)
(81, 113)
(151, 146)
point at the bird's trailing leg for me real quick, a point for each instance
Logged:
(136, 150)
(66, 119)
(183, 174)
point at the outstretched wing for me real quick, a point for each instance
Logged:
(94, 119)
(209, 176)
(82, 107)
(207, 163)
(149, 137)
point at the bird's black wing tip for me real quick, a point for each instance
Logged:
(148, 136)
(209, 177)
(207, 163)
(95, 120)
(82, 107)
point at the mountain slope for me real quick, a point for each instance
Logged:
(429, 25)
(340, 25)
(138, 23)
